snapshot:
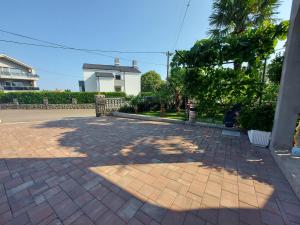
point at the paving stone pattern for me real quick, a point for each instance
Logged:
(120, 171)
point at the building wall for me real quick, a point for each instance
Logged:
(6, 63)
(106, 84)
(90, 81)
(132, 83)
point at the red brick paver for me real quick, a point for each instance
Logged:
(119, 171)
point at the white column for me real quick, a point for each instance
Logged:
(288, 104)
(98, 84)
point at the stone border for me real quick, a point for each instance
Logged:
(159, 119)
(46, 106)
(289, 167)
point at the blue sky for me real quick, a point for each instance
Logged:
(131, 25)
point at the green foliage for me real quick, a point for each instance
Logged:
(235, 16)
(270, 92)
(275, 69)
(217, 87)
(127, 109)
(54, 97)
(258, 117)
(141, 104)
(176, 87)
(252, 46)
(163, 94)
(147, 94)
(150, 81)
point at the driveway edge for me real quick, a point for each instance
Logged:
(167, 120)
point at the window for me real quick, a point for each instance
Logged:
(118, 88)
(118, 77)
(5, 70)
(16, 71)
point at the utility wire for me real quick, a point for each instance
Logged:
(94, 50)
(60, 46)
(181, 24)
(58, 73)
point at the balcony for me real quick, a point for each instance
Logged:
(25, 88)
(13, 73)
(119, 83)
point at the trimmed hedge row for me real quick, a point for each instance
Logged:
(54, 97)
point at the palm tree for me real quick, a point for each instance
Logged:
(235, 16)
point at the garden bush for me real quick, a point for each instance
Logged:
(126, 109)
(148, 94)
(257, 117)
(54, 97)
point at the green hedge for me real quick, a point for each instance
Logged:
(258, 117)
(54, 97)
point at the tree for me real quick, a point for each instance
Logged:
(235, 16)
(216, 88)
(176, 86)
(275, 69)
(252, 46)
(151, 81)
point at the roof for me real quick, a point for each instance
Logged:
(98, 74)
(111, 67)
(15, 61)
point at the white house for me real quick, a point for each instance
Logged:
(16, 75)
(111, 78)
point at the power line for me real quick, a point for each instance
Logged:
(181, 25)
(92, 51)
(57, 73)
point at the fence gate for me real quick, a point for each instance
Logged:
(105, 106)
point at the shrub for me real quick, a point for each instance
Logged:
(258, 117)
(275, 69)
(126, 109)
(147, 94)
(54, 97)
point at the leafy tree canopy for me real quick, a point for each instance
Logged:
(221, 86)
(252, 46)
(235, 16)
(151, 81)
(275, 69)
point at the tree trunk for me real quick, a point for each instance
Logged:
(162, 110)
(177, 101)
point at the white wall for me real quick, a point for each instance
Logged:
(132, 83)
(6, 63)
(90, 81)
(106, 84)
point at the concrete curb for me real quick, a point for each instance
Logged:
(159, 119)
(289, 167)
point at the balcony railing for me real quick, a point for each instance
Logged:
(25, 88)
(119, 83)
(9, 72)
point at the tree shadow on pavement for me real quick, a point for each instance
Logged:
(120, 171)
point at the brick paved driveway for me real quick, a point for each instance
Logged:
(119, 171)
